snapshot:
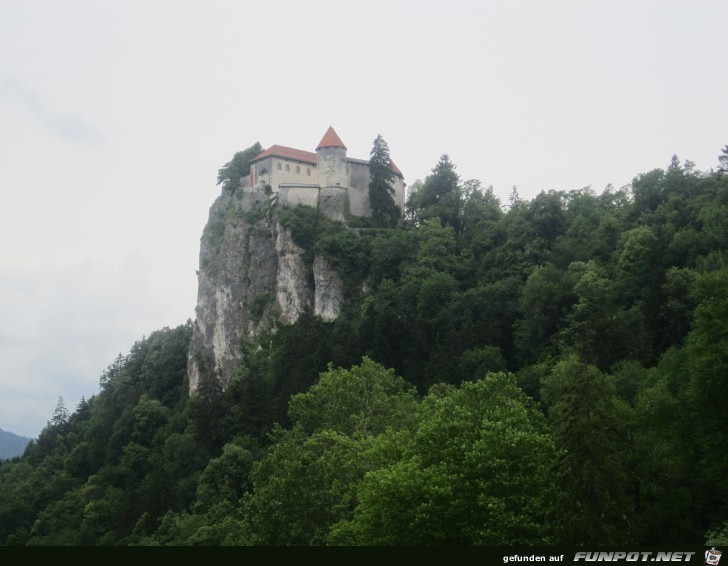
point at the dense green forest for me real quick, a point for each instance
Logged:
(531, 372)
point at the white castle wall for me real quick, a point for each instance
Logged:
(292, 196)
(304, 183)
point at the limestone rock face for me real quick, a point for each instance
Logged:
(328, 287)
(252, 279)
(293, 292)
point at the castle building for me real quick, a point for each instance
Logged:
(326, 179)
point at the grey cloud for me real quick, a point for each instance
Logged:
(69, 127)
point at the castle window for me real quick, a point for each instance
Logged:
(308, 171)
(288, 167)
(278, 165)
(298, 168)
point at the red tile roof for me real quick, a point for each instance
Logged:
(287, 153)
(330, 139)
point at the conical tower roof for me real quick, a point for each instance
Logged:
(330, 139)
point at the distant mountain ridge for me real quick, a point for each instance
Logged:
(11, 444)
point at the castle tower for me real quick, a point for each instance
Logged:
(331, 154)
(333, 176)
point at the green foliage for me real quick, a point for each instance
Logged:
(546, 215)
(343, 247)
(478, 362)
(229, 175)
(665, 455)
(390, 253)
(595, 504)
(367, 399)
(439, 196)
(226, 477)
(303, 486)
(347, 424)
(381, 192)
(305, 224)
(718, 536)
(707, 366)
(609, 308)
(723, 161)
(476, 472)
(648, 192)
(545, 302)
(436, 246)
(92, 475)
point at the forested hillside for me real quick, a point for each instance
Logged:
(11, 444)
(530, 372)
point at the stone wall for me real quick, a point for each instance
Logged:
(358, 182)
(332, 167)
(292, 196)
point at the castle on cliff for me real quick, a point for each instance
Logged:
(326, 179)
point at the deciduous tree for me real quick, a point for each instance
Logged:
(229, 175)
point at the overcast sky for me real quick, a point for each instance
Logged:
(116, 115)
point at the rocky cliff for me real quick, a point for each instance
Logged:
(253, 277)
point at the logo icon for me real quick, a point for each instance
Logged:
(712, 556)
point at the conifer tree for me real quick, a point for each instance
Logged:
(381, 192)
(513, 198)
(723, 161)
(596, 505)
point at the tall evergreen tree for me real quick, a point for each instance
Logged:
(381, 191)
(723, 161)
(513, 198)
(596, 503)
